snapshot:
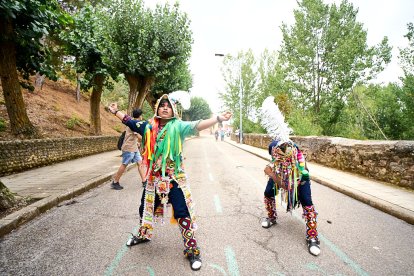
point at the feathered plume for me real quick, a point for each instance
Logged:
(183, 97)
(274, 121)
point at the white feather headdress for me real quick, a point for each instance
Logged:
(274, 121)
(183, 97)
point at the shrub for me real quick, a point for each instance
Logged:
(2, 125)
(117, 128)
(72, 122)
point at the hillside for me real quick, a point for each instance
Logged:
(56, 113)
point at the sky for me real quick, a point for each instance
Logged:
(231, 26)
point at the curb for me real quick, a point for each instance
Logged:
(382, 205)
(20, 217)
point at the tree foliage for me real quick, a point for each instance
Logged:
(199, 110)
(24, 28)
(325, 54)
(82, 43)
(31, 22)
(145, 45)
(406, 56)
(406, 59)
(241, 83)
(271, 77)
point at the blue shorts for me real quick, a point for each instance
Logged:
(130, 157)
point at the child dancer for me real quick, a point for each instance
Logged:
(287, 172)
(163, 138)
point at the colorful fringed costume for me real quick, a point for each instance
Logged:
(287, 173)
(167, 181)
(294, 185)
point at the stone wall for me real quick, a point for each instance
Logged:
(21, 155)
(388, 161)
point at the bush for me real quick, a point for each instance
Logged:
(2, 125)
(117, 128)
(303, 123)
(72, 122)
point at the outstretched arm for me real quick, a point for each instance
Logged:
(135, 125)
(113, 108)
(212, 121)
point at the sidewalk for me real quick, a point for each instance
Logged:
(53, 184)
(59, 182)
(396, 201)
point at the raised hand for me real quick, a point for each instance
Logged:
(113, 108)
(225, 116)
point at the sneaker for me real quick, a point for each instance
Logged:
(268, 222)
(195, 261)
(134, 240)
(313, 247)
(116, 186)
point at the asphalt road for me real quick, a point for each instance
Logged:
(87, 235)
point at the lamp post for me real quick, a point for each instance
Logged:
(240, 98)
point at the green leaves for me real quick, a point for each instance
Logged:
(143, 42)
(81, 41)
(199, 110)
(34, 23)
(326, 55)
(406, 56)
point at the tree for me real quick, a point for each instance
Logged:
(199, 110)
(178, 79)
(82, 43)
(23, 25)
(75, 5)
(271, 78)
(407, 100)
(144, 45)
(406, 59)
(7, 198)
(326, 55)
(241, 81)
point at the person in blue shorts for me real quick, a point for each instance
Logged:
(130, 153)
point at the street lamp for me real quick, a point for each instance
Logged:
(240, 98)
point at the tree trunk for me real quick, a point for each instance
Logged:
(133, 82)
(7, 199)
(152, 100)
(16, 109)
(95, 103)
(78, 87)
(144, 89)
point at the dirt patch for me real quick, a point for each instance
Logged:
(56, 113)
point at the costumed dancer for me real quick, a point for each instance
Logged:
(288, 174)
(163, 137)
